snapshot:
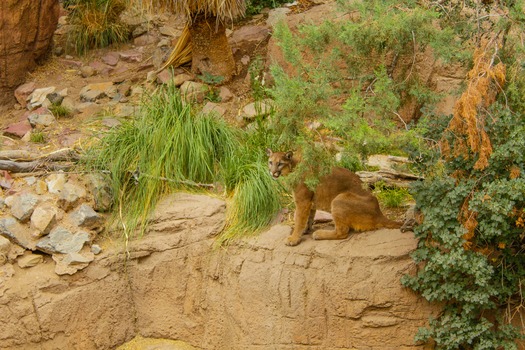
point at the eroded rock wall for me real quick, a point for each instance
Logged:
(255, 294)
(26, 32)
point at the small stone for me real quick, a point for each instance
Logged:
(55, 183)
(193, 91)
(38, 96)
(141, 29)
(72, 263)
(17, 233)
(164, 77)
(95, 249)
(99, 186)
(23, 205)
(70, 195)
(70, 63)
(146, 39)
(100, 67)
(164, 42)
(86, 217)
(69, 103)
(225, 94)
(43, 219)
(111, 58)
(30, 180)
(170, 31)
(131, 56)
(40, 187)
(87, 71)
(76, 258)
(41, 119)
(61, 240)
(93, 92)
(180, 79)
(30, 260)
(245, 60)
(5, 245)
(23, 92)
(215, 108)
(258, 108)
(277, 15)
(18, 129)
(56, 98)
(125, 110)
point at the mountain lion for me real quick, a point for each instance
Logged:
(341, 192)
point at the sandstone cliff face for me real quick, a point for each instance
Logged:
(26, 32)
(256, 294)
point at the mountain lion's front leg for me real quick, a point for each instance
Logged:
(301, 218)
(303, 198)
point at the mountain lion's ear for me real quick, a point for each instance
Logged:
(269, 152)
(288, 155)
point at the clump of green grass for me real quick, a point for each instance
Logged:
(97, 24)
(60, 111)
(255, 196)
(37, 137)
(391, 197)
(170, 148)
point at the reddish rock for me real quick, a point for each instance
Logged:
(111, 58)
(145, 39)
(101, 68)
(131, 56)
(18, 129)
(249, 33)
(28, 27)
(164, 77)
(71, 63)
(23, 92)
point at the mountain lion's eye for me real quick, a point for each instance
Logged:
(270, 162)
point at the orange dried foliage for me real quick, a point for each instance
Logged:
(485, 80)
(514, 172)
(469, 220)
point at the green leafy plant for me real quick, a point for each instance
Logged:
(470, 248)
(211, 79)
(254, 7)
(391, 197)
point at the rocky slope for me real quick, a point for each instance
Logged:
(255, 294)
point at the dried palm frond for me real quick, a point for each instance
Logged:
(181, 53)
(221, 9)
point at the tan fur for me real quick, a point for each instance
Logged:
(341, 192)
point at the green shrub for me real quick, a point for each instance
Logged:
(391, 197)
